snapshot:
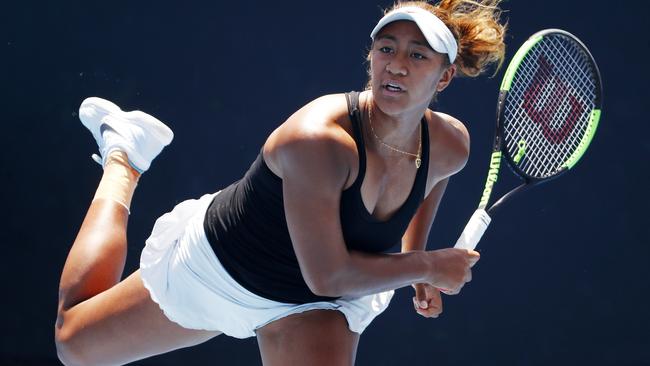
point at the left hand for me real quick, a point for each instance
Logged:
(427, 300)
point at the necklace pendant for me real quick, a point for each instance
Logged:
(418, 162)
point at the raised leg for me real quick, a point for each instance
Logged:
(100, 320)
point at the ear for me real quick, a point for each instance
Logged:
(446, 77)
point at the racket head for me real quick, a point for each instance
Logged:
(549, 105)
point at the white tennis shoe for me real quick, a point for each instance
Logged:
(140, 135)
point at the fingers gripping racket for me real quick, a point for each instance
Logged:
(547, 114)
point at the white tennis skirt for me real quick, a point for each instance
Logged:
(186, 279)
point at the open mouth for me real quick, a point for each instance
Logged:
(393, 87)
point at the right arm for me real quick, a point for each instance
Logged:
(315, 168)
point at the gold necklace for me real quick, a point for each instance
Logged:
(418, 158)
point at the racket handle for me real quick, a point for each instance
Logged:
(473, 230)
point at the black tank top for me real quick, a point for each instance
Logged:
(247, 229)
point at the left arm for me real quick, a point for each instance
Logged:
(427, 300)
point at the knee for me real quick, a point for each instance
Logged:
(66, 350)
(63, 350)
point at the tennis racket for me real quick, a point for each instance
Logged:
(547, 114)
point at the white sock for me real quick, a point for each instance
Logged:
(119, 180)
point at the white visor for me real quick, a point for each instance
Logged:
(434, 30)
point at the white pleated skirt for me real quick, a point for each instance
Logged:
(186, 279)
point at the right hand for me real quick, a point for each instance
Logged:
(451, 268)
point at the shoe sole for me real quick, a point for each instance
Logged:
(94, 109)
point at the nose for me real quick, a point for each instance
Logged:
(397, 66)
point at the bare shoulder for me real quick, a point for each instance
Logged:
(450, 142)
(318, 132)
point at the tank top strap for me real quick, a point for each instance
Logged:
(423, 172)
(352, 99)
(354, 112)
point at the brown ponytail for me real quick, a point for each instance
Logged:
(476, 27)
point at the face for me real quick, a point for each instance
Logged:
(405, 71)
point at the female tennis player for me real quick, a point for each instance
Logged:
(292, 253)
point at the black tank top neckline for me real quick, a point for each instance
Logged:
(419, 183)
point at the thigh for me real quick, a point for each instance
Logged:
(120, 325)
(315, 337)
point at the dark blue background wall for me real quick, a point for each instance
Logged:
(563, 277)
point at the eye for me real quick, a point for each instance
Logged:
(385, 49)
(418, 56)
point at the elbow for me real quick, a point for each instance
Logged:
(329, 278)
(324, 285)
(326, 290)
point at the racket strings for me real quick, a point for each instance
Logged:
(549, 105)
(550, 102)
(551, 127)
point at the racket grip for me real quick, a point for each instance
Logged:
(473, 230)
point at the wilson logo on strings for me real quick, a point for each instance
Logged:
(545, 96)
